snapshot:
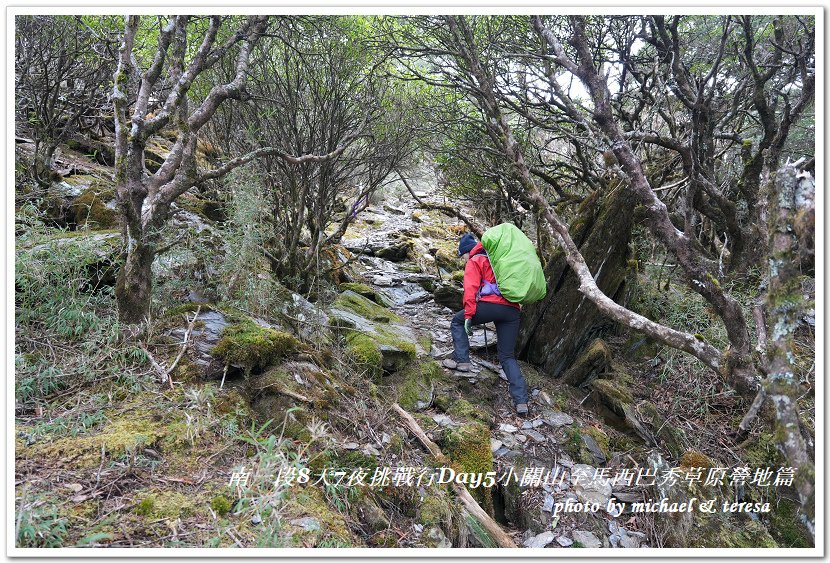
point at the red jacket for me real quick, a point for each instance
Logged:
(477, 270)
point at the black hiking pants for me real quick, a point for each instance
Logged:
(506, 319)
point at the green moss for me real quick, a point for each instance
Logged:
(117, 438)
(310, 501)
(762, 451)
(221, 505)
(613, 391)
(670, 437)
(426, 343)
(353, 459)
(715, 534)
(695, 459)
(462, 408)
(785, 526)
(90, 210)
(601, 438)
(362, 306)
(252, 346)
(165, 504)
(187, 308)
(361, 289)
(434, 510)
(365, 352)
(415, 383)
(458, 275)
(595, 358)
(468, 448)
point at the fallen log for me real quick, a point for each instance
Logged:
(502, 538)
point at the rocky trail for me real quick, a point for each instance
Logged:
(526, 506)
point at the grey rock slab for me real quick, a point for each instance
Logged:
(587, 539)
(557, 419)
(495, 444)
(528, 424)
(540, 540)
(548, 504)
(504, 427)
(537, 437)
(593, 447)
(564, 541)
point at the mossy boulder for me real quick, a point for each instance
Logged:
(363, 307)
(365, 352)
(367, 292)
(370, 514)
(94, 209)
(376, 338)
(415, 385)
(310, 502)
(593, 360)
(252, 347)
(667, 435)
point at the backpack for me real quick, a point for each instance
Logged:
(515, 263)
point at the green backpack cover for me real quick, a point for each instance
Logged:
(515, 263)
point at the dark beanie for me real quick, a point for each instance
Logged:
(466, 244)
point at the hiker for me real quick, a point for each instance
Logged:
(484, 303)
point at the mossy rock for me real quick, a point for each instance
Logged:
(435, 509)
(365, 291)
(360, 305)
(370, 514)
(594, 359)
(90, 210)
(762, 451)
(415, 385)
(253, 347)
(468, 448)
(715, 532)
(640, 348)
(310, 501)
(380, 351)
(463, 409)
(365, 352)
(692, 458)
(208, 209)
(612, 393)
(288, 418)
(671, 438)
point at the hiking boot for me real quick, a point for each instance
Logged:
(449, 363)
(521, 409)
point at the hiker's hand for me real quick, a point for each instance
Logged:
(468, 327)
